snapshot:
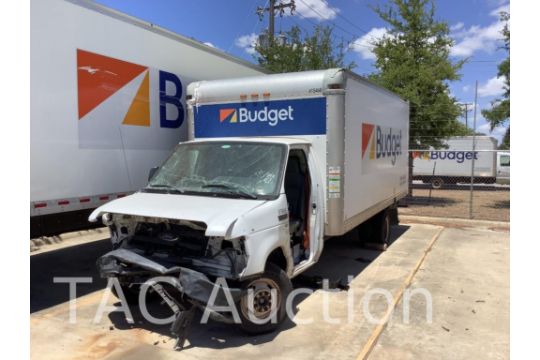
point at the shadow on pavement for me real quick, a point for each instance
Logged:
(74, 261)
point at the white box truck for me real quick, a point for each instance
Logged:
(453, 164)
(276, 164)
(107, 104)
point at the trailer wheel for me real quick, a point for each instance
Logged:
(437, 183)
(274, 281)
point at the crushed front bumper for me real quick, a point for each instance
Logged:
(195, 288)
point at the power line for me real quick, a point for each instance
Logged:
(252, 31)
(355, 36)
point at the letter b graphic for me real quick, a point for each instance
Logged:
(171, 100)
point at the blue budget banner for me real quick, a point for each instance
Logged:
(261, 118)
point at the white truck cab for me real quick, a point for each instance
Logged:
(275, 165)
(503, 167)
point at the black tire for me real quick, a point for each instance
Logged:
(377, 229)
(437, 183)
(383, 229)
(273, 277)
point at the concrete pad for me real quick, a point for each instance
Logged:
(467, 274)
(51, 243)
(54, 337)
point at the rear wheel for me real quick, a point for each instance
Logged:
(383, 235)
(437, 183)
(265, 309)
(375, 232)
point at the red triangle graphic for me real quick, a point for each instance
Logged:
(367, 130)
(99, 77)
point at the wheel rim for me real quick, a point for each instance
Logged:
(263, 301)
(437, 183)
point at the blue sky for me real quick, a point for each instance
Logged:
(232, 25)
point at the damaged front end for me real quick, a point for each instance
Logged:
(180, 253)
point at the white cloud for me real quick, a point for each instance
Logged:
(504, 8)
(466, 88)
(478, 38)
(316, 9)
(498, 132)
(457, 26)
(364, 44)
(247, 42)
(209, 44)
(493, 87)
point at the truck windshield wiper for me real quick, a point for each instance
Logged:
(166, 186)
(232, 190)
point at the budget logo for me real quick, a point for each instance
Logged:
(267, 115)
(383, 142)
(457, 156)
(114, 96)
(228, 115)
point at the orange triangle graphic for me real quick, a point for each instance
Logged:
(224, 114)
(139, 111)
(367, 130)
(99, 77)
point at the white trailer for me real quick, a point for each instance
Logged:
(453, 164)
(107, 104)
(275, 165)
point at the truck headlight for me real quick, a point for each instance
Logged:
(106, 219)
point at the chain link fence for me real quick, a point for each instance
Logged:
(470, 183)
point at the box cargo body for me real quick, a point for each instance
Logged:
(358, 131)
(107, 104)
(454, 164)
(275, 165)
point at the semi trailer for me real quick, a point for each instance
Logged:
(274, 166)
(107, 104)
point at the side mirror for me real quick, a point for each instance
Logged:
(152, 172)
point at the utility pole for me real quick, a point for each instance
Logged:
(466, 105)
(473, 151)
(272, 8)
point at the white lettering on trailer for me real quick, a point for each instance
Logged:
(264, 115)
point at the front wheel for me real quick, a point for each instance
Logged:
(264, 309)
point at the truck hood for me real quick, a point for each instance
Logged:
(217, 213)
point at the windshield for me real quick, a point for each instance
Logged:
(237, 169)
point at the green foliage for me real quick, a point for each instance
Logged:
(499, 114)
(302, 52)
(413, 61)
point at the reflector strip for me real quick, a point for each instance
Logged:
(103, 198)
(85, 200)
(40, 205)
(63, 202)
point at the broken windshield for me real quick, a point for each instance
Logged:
(233, 169)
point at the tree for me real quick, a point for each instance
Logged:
(413, 61)
(499, 114)
(299, 52)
